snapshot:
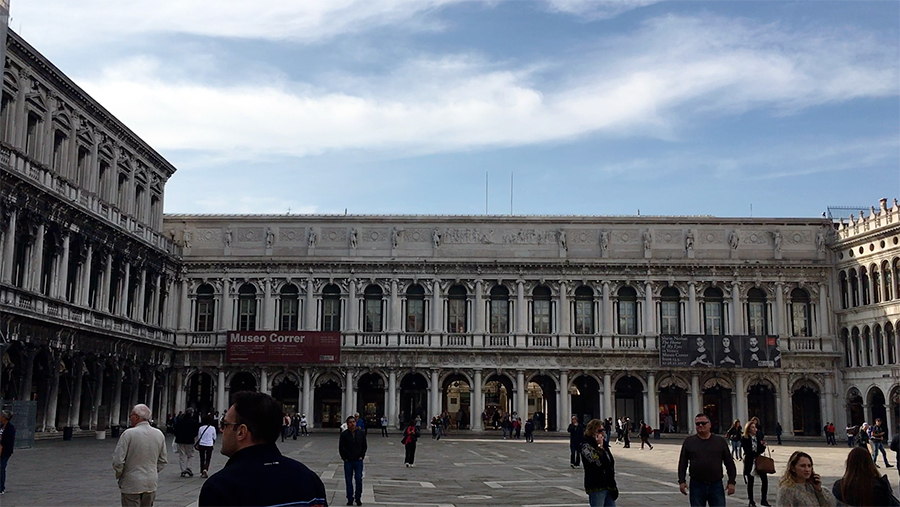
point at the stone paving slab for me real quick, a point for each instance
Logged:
(459, 471)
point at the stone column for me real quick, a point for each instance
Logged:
(479, 313)
(649, 312)
(75, 395)
(824, 324)
(779, 309)
(142, 293)
(221, 401)
(607, 395)
(564, 326)
(9, 246)
(164, 396)
(522, 398)
(436, 313)
(310, 308)
(184, 315)
(125, 286)
(151, 398)
(117, 397)
(695, 397)
(347, 410)
(107, 282)
(741, 396)
(829, 401)
(653, 406)
(58, 285)
(693, 312)
(565, 413)
(435, 393)
(53, 397)
(135, 387)
(264, 381)
(154, 303)
(737, 311)
(179, 391)
(477, 404)
(785, 414)
(352, 306)
(394, 325)
(37, 257)
(98, 396)
(28, 379)
(268, 306)
(521, 309)
(307, 395)
(227, 306)
(85, 299)
(392, 414)
(607, 310)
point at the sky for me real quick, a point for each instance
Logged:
(554, 107)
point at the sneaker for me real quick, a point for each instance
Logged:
(412, 465)
(359, 502)
(876, 465)
(889, 465)
(184, 473)
(204, 475)
(407, 465)
(189, 472)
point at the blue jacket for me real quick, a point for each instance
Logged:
(8, 440)
(261, 476)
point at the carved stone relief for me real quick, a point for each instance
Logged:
(583, 236)
(333, 235)
(251, 235)
(291, 235)
(375, 235)
(625, 237)
(711, 237)
(417, 235)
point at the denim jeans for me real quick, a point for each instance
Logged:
(601, 499)
(707, 493)
(736, 448)
(875, 447)
(3, 462)
(574, 454)
(351, 469)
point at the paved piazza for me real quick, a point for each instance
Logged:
(457, 471)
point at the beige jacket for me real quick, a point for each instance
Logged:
(139, 457)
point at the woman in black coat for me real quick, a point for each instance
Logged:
(862, 484)
(410, 437)
(753, 446)
(599, 467)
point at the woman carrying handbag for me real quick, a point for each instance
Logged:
(754, 447)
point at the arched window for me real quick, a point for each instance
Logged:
(867, 343)
(290, 308)
(857, 347)
(584, 310)
(879, 345)
(756, 313)
(373, 310)
(896, 270)
(876, 285)
(670, 311)
(499, 310)
(456, 309)
(415, 309)
(206, 307)
(713, 312)
(845, 296)
(541, 320)
(331, 308)
(247, 307)
(864, 278)
(854, 288)
(887, 279)
(627, 310)
(848, 356)
(891, 343)
(800, 322)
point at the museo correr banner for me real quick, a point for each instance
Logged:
(705, 351)
(283, 347)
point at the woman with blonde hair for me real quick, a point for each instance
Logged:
(599, 466)
(862, 485)
(801, 486)
(754, 446)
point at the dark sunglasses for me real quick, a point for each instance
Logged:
(701, 423)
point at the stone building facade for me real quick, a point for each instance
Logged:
(105, 302)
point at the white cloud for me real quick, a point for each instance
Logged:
(647, 84)
(598, 9)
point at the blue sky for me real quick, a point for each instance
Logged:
(404, 107)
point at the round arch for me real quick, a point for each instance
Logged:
(456, 399)
(629, 398)
(413, 397)
(542, 390)
(584, 392)
(806, 406)
(856, 414)
(674, 415)
(877, 404)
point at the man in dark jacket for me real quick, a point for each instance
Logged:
(185, 432)
(576, 436)
(256, 472)
(7, 445)
(352, 447)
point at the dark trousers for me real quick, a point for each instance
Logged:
(645, 440)
(205, 457)
(410, 453)
(3, 462)
(353, 469)
(575, 454)
(707, 493)
(303, 430)
(384, 431)
(763, 487)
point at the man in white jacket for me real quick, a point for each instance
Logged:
(138, 459)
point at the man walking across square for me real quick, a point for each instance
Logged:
(878, 436)
(7, 445)
(705, 453)
(185, 431)
(139, 457)
(352, 447)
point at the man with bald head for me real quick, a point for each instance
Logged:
(139, 457)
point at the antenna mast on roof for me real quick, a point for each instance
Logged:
(511, 193)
